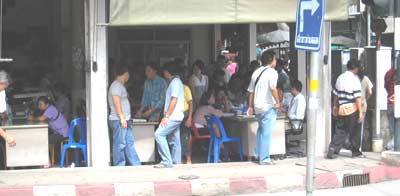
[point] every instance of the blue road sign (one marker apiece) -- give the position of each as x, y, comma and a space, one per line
309, 21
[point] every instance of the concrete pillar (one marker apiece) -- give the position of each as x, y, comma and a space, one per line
77, 79
200, 36
97, 83
252, 39
217, 40
324, 120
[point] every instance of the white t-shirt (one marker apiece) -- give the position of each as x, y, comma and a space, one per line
366, 86
263, 99
297, 109
175, 89
3, 103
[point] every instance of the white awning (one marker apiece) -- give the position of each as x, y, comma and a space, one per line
190, 12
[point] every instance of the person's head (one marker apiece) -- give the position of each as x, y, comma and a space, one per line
198, 67
219, 76
254, 65
354, 65
60, 90
43, 103
361, 72
170, 70
122, 74
4, 80
297, 87
151, 71
268, 58
221, 60
207, 98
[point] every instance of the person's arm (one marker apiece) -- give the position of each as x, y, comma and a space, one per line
275, 94
250, 110
369, 92
10, 140
207, 85
189, 120
360, 109
335, 105
191, 86
171, 108
41, 118
118, 110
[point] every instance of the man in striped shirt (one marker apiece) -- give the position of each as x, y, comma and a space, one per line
347, 106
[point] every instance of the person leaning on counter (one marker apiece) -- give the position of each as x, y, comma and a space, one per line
3, 107
153, 95
57, 122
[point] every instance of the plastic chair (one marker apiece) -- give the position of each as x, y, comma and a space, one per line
196, 136
81, 123
220, 137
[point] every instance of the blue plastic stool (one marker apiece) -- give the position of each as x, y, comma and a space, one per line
81, 145
215, 141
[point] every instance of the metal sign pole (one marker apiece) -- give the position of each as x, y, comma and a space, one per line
313, 104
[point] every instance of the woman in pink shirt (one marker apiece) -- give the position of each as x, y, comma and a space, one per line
206, 109
232, 66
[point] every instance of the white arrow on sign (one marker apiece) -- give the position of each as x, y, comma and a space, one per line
312, 5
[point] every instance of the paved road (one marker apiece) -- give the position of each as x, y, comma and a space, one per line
389, 188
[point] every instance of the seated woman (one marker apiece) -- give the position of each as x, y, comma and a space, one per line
206, 109
57, 122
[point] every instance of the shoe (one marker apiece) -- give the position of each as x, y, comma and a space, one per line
358, 155
268, 163
162, 166
332, 154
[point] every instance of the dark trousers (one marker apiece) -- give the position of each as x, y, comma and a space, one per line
347, 126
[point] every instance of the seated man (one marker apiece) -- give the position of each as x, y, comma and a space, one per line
297, 107
153, 95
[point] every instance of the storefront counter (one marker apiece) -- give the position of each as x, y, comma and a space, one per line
246, 127
143, 133
32, 147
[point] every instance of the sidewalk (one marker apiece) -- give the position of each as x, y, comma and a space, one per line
212, 179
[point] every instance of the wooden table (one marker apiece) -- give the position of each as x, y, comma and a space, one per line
32, 147
143, 133
246, 128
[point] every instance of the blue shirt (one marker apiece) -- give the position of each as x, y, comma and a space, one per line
154, 95
175, 89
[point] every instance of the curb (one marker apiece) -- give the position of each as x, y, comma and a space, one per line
220, 186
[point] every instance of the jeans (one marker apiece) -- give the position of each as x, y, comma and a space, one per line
169, 143
185, 136
123, 145
347, 126
394, 126
266, 124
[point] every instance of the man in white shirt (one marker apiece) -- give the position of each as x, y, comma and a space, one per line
347, 106
168, 132
297, 107
264, 102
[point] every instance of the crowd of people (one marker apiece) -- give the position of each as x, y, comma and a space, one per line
180, 97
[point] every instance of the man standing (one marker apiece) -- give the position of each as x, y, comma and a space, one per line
297, 107
153, 95
168, 133
394, 123
347, 106
120, 121
264, 101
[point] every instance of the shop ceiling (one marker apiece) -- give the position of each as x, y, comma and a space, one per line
192, 12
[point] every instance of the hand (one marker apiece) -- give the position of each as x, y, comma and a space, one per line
148, 113
361, 117
139, 114
250, 111
164, 122
391, 98
188, 123
277, 106
31, 118
334, 111
11, 141
124, 124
